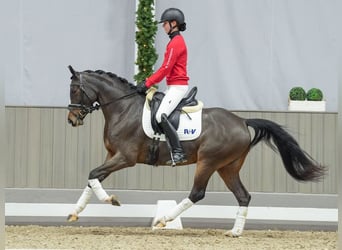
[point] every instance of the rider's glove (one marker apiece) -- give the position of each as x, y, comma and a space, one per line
141, 87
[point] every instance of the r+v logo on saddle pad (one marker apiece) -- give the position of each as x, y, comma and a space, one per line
188, 131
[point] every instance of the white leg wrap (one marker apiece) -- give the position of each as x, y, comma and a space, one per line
98, 190
180, 208
239, 221
83, 200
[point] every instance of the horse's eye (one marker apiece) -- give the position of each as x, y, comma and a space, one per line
73, 89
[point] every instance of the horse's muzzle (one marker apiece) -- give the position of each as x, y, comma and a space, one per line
74, 120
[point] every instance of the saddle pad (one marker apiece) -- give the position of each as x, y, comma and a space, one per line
189, 129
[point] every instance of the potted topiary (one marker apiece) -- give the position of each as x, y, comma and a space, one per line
297, 94
312, 100
314, 94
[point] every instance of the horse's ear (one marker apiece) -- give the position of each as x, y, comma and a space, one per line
73, 72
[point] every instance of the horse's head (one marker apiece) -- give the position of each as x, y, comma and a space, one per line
82, 98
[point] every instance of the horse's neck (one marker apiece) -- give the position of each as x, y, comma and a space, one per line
116, 109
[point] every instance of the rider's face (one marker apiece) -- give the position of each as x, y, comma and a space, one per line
167, 26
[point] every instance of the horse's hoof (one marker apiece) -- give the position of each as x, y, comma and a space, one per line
230, 233
72, 218
114, 201
160, 223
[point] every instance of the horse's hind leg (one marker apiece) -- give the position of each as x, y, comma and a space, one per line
231, 177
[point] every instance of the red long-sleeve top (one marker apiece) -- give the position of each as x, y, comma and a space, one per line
174, 64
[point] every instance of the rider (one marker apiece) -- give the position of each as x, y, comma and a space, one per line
174, 69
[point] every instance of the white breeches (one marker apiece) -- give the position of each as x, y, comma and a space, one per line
173, 96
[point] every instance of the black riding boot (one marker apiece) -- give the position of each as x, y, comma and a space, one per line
177, 152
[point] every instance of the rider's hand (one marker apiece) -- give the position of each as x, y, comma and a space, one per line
141, 87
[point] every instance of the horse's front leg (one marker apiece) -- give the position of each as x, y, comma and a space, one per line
81, 204
96, 176
197, 193
172, 214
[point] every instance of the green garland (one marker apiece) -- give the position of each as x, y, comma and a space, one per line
144, 37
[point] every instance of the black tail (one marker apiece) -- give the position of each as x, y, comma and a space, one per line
299, 164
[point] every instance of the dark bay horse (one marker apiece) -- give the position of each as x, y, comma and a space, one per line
223, 144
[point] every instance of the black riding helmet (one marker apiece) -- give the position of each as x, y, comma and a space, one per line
174, 14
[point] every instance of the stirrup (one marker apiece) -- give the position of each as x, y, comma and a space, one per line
177, 158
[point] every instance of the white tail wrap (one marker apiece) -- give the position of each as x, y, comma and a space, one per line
83, 200
240, 221
98, 190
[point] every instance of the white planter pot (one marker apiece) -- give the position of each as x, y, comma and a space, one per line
318, 106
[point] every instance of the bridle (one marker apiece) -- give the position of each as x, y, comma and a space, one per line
85, 109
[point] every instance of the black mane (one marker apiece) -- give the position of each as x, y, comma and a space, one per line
111, 76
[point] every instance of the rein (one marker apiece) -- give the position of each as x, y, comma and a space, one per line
118, 99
